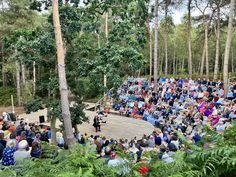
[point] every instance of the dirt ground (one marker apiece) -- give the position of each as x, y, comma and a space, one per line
18, 110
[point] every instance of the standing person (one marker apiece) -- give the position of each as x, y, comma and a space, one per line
96, 123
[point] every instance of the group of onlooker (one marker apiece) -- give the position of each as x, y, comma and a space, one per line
173, 106
20, 140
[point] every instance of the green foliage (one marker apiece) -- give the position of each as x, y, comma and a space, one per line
33, 106
27, 91
77, 114
54, 109
5, 98
215, 161
80, 161
49, 151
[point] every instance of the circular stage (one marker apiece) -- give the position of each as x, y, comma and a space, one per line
117, 127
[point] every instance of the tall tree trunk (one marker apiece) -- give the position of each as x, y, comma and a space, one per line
166, 54
190, 65
62, 77
18, 83
53, 130
106, 33
106, 26
180, 66
166, 39
3, 73
150, 54
227, 47
198, 67
216, 67
34, 79
222, 62
161, 63
232, 60
206, 49
174, 62
155, 40
98, 38
176, 65
150, 47
202, 61
23, 73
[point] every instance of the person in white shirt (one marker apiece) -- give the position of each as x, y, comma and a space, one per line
22, 152
113, 161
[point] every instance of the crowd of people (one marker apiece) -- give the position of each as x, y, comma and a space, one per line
20, 140
177, 105
179, 102
173, 106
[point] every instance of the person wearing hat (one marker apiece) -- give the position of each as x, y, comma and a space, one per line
22, 152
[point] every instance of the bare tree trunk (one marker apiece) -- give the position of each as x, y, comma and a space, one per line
216, 67
174, 62
106, 33
183, 66
34, 79
190, 65
202, 62
161, 64
150, 54
227, 47
176, 66
222, 62
53, 130
49, 91
166, 54
106, 26
3, 73
23, 73
98, 37
18, 83
232, 60
62, 77
206, 49
155, 41
199, 66
166, 39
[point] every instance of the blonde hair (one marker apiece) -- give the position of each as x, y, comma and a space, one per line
11, 143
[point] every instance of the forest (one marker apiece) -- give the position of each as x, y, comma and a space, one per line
112, 38
56, 51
